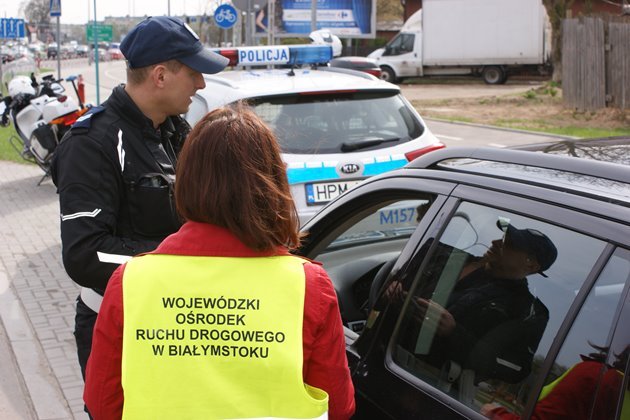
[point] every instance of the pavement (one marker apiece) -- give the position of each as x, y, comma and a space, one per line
39, 372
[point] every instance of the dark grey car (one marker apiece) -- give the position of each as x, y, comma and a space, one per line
428, 339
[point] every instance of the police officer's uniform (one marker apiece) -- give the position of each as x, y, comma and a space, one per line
114, 172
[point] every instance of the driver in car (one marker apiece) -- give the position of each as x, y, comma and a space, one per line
491, 323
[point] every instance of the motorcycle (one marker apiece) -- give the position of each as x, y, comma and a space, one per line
41, 115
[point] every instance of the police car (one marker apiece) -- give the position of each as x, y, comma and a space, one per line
335, 126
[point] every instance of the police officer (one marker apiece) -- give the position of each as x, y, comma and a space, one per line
114, 170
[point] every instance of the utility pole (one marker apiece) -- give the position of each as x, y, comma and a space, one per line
313, 15
98, 90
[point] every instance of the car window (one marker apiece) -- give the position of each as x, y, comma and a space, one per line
340, 122
401, 44
371, 239
483, 311
585, 376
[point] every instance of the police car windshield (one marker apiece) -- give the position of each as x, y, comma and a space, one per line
316, 123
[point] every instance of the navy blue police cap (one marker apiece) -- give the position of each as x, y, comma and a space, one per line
162, 38
533, 242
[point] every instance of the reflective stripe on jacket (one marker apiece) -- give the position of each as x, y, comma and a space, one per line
215, 337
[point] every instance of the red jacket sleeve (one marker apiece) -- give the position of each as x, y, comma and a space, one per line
573, 396
325, 361
103, 394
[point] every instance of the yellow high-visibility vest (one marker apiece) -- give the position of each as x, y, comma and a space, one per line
215, 338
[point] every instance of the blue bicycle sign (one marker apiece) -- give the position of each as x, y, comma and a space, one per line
225, 16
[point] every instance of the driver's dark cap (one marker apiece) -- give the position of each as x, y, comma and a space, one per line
162, 38
531, 241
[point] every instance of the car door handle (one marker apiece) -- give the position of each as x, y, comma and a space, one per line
362, 370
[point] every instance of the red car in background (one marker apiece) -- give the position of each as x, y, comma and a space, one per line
364, 64
113, 52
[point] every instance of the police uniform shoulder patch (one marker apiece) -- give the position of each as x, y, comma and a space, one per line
85, 120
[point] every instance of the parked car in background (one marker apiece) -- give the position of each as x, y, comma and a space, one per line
6, 54
336, 126
67, 51
363, 64
486, 282
114, 53
82, 50
51, 50
38, 49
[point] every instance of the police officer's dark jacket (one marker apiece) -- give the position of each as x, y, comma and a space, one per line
114, 174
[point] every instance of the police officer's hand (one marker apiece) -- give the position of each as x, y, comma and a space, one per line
5, 121
431, 313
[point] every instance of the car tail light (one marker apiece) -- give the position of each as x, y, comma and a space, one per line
374, 72
417, 153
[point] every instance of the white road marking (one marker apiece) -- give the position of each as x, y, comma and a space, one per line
442, 136
497, 145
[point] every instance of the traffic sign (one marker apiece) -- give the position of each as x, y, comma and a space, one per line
255, 4
11, 28
55, 8
225, 16
104, 32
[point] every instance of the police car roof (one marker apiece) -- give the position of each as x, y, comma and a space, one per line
230, 86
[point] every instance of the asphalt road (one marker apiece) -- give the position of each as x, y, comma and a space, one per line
452, 134
462, 134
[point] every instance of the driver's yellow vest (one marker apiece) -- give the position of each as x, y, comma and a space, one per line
215, 338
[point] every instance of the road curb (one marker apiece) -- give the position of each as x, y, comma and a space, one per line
40, 388
509, 130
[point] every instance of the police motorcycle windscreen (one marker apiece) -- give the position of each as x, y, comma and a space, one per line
57, 88
43, 141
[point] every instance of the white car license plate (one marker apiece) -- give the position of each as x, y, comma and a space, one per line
323, 192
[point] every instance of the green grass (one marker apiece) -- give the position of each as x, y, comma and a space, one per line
455, 118
571, 131
542, 126
6, 150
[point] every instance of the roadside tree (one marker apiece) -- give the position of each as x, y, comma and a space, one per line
37, 13
557, 11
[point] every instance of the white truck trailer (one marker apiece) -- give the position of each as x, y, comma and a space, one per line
487, 38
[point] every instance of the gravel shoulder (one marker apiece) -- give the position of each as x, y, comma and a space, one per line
528, 105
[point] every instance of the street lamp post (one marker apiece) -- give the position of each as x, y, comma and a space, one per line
98, 91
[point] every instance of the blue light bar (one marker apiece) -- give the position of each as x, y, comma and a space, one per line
278, 54
310, 54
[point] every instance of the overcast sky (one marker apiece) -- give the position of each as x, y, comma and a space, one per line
77, 11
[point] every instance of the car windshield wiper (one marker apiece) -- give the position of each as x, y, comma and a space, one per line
365, 143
